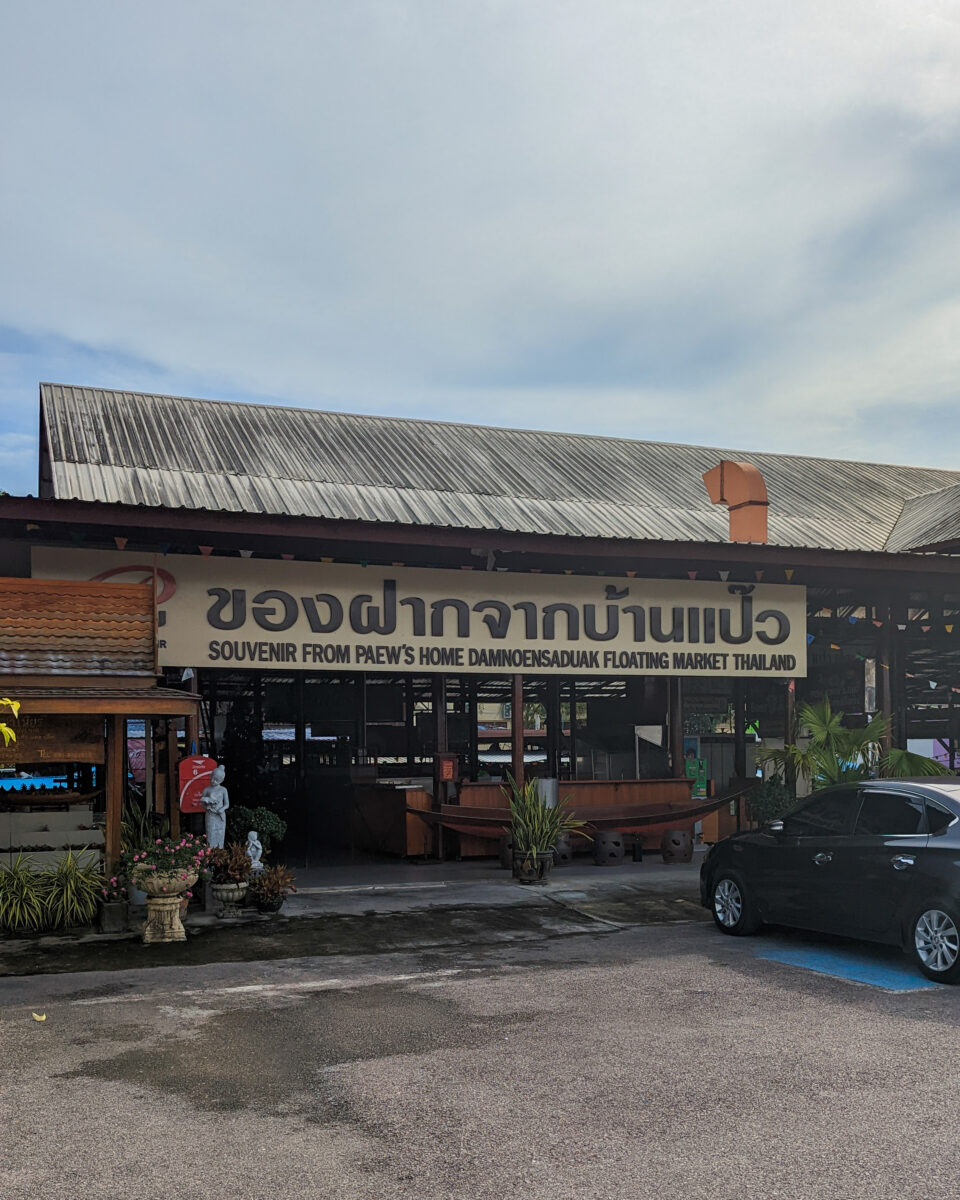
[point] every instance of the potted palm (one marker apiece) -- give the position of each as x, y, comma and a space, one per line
536, 827
166, 871
229, 869
270, 888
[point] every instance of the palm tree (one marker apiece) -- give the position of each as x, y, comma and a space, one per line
836, 754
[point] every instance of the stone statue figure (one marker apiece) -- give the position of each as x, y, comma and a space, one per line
254, 852
216, 801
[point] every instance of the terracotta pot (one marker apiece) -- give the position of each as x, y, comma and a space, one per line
228, 897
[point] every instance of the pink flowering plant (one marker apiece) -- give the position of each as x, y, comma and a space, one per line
183, 856
114, 889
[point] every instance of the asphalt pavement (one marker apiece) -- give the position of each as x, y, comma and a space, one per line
661, 1061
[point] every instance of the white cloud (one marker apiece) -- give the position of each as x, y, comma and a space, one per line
683, 220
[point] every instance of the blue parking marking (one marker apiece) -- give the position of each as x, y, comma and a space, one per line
857, 965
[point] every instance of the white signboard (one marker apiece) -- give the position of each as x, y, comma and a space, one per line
266, 615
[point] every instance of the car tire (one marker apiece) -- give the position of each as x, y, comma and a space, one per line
732, 905
934, 941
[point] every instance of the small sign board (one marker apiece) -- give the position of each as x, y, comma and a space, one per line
193, 775
55, 739
448, 768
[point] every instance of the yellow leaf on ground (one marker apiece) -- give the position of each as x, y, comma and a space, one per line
39, 1016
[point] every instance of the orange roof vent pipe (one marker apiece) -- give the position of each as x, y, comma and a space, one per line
741, 488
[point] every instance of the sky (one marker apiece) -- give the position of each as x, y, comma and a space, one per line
731, 223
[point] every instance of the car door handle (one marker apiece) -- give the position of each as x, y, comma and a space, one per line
821, 858
902, 861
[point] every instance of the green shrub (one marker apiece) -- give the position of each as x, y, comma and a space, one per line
73, 890
23, 897
268, 825
770, 800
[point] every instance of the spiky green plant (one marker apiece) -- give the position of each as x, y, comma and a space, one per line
23, 897
836, 754
73, 890
536, 827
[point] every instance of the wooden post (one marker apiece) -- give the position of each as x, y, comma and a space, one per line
739, 729
410, 722
115, 775
173, 781
885, 664
193, 721
516, 729
675, 704
573, 729
474, 723
554, 731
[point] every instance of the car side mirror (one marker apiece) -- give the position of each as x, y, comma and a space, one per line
776, 827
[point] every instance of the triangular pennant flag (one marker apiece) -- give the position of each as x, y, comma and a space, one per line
925, 628
326, 560
759, 575
206, 551
164, 547
859, 658
120, 542
631, 574
901, 628
568, 572
834, 646
810, 638
287, 557
879, 624
788, 571
933, 683
691, 574
724, 575
909, 676
32, 528
363, 563
852, 620
948, 628
398, 564
463, 568
536, 570
246, 554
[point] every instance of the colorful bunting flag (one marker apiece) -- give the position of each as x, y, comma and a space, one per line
287, 557
788, 571
120, 542
724, 575
246, 554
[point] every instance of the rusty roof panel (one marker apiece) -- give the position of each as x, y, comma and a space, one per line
133, 448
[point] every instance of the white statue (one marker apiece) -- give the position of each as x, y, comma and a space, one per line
216, 800
254, 852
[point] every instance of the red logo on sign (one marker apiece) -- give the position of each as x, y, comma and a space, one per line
193, 775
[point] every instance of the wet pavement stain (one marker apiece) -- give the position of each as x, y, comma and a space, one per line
296, 1050
298, 937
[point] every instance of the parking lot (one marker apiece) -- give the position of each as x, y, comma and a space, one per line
664, 1061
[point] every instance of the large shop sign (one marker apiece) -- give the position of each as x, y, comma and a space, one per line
243, 613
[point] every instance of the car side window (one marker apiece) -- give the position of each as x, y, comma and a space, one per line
826, 815
938, 819
887, 814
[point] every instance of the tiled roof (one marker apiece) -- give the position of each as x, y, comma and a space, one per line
51, 627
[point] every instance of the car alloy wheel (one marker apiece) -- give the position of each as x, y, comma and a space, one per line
937, 941
727, 903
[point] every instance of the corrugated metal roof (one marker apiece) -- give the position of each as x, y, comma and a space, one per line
929, 520
133, 448
52, 627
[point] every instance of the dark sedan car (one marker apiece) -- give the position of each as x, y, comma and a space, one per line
878, 860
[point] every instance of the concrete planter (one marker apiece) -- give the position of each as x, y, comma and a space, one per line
228, 897
164, 891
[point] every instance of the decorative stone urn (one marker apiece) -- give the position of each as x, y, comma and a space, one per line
164, 891
228, 897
